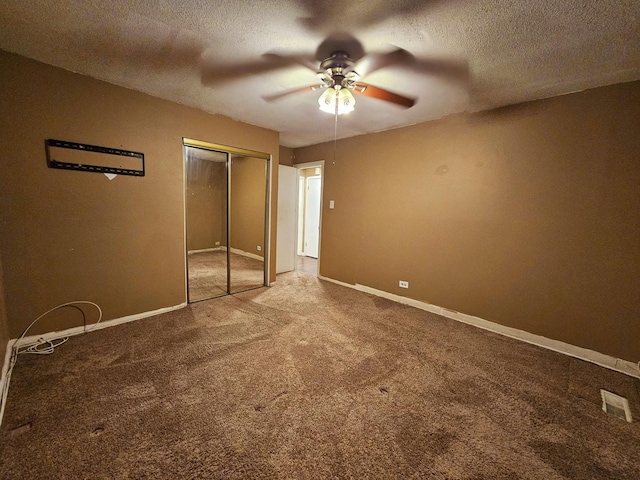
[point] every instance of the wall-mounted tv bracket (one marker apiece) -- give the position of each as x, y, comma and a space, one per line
116, 166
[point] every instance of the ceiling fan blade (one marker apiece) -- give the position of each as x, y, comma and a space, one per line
213, 73
385, 95
449, 68
375, 61
289, 60
337, 15
278, 96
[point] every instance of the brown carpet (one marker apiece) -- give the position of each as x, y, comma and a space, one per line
312, 380
208, 274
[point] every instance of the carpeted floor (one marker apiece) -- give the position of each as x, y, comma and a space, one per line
208, 274
311, 380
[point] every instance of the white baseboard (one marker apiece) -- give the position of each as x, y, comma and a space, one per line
204, 250
30, 340
247, 254
233, 250
5, 365
338, 282
5, 378
607, 361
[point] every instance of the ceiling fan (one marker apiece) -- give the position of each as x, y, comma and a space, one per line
342, 64
339, 80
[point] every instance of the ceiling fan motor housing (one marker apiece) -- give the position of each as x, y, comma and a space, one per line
333, 69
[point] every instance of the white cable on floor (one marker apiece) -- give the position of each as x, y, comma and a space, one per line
48, 350
41, 346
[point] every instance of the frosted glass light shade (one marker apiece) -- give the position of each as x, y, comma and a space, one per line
346, 101
327, 100
343, 98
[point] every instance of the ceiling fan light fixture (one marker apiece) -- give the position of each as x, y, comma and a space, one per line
327, 100
346, 101
343, 99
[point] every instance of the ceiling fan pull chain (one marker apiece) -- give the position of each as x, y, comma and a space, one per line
335, 135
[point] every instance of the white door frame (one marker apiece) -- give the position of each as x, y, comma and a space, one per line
299, 166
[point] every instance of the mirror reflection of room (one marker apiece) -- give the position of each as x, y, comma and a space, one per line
226, 217
247, 219
206, 199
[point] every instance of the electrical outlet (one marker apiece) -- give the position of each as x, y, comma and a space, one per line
404, 284
616, 405
259, 248
217, 244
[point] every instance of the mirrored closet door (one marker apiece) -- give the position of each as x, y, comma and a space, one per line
247, 211
206, 203
226, 191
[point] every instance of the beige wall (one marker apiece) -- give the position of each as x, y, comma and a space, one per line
248, 193
286, 156
78, 236
528, 216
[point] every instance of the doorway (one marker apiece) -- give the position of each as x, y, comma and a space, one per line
310, 181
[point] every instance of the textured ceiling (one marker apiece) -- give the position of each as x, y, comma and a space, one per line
517, 51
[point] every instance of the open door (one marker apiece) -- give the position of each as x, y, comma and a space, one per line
286, 233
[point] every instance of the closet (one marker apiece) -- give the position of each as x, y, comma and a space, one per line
227, 206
